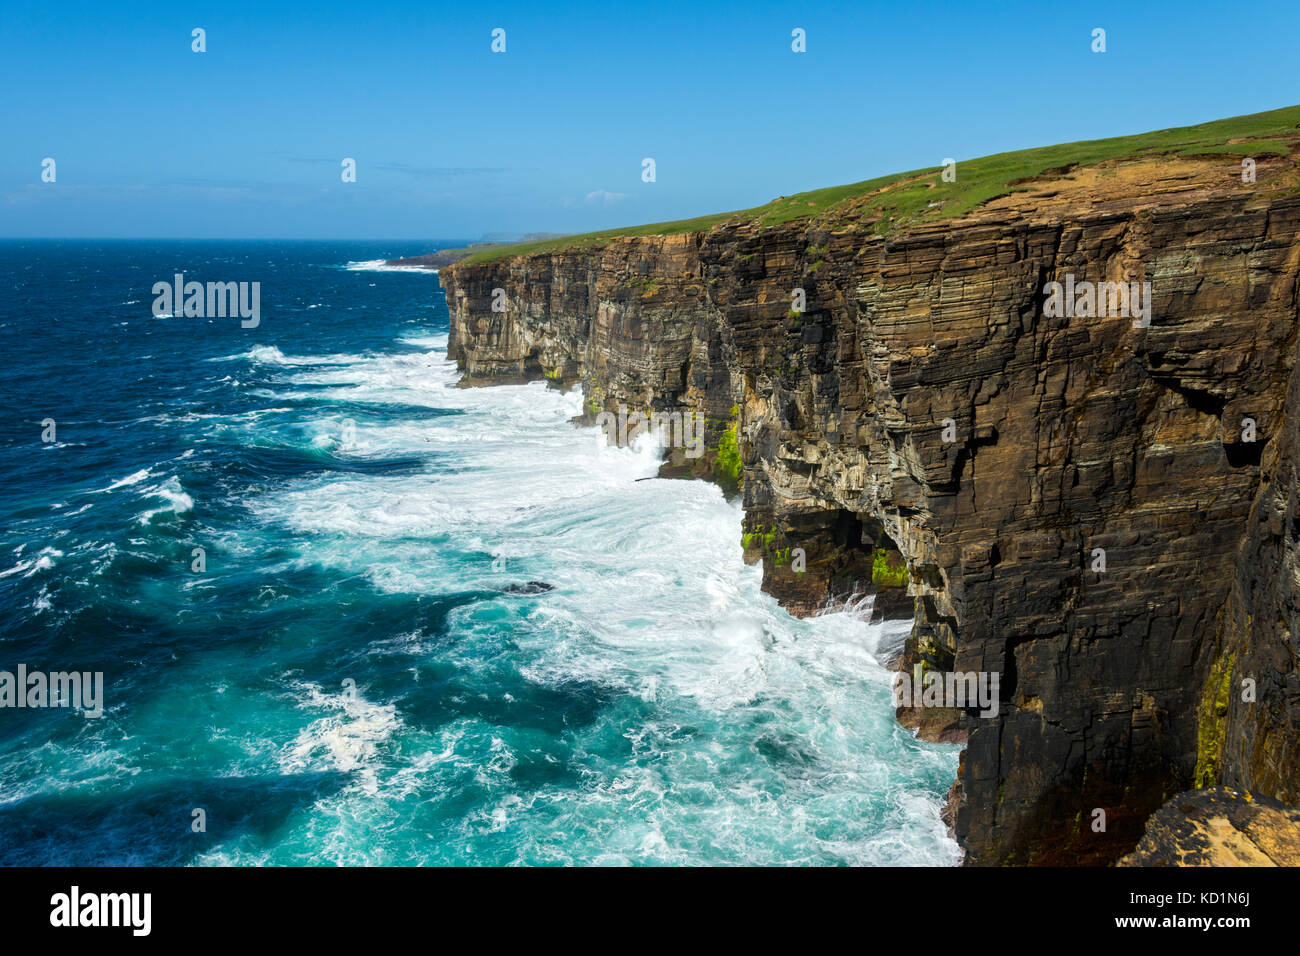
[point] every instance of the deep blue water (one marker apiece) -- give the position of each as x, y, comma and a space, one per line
348, 679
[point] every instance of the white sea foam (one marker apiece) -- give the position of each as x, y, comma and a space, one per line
346, 739
43, 561
425, 341
132, 479
271, 355
42, 602
178, 502
381, 265
794, 755
18, 568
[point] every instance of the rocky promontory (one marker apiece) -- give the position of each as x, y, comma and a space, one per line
1102, 511
436, 260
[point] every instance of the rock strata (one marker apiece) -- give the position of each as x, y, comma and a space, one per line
1071, 502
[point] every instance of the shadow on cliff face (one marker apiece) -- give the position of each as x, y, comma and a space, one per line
1092, 821
1245, 454
1243, 440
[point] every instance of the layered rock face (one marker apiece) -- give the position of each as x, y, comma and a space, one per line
1072, 503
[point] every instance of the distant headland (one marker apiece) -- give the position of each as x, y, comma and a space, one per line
445, 257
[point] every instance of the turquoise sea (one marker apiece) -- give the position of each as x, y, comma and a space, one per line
358, 671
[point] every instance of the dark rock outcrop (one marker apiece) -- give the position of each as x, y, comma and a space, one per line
1068, 502
528, 587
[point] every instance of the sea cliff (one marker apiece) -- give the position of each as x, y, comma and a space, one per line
1102, 512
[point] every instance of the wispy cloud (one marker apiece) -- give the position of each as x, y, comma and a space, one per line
597, 197
419, 172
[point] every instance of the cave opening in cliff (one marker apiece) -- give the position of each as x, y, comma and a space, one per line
875, 563
1245, 453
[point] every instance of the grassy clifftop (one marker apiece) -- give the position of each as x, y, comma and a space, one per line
908, 197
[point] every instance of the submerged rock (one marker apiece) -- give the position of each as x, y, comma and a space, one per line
530, 587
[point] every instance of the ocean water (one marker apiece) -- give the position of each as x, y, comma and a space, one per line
351, 678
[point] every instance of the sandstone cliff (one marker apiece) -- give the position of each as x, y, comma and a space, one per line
1070, 436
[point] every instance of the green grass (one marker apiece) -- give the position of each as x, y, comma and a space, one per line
904, 198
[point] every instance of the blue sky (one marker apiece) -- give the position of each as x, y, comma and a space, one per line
451, 140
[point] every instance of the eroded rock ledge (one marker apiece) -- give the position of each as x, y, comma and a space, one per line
1072, 434
1219, 827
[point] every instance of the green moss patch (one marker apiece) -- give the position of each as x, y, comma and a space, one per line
888, 570
1211, 722
726, 468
